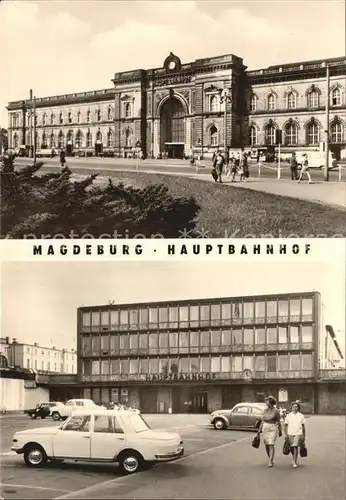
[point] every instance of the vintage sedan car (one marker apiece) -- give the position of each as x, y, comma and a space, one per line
42, 410
99, 436
64, 411
242, 415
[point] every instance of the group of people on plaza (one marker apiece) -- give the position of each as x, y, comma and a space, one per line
304, 169
293, 430
235, 164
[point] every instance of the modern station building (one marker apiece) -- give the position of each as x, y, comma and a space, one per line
198, 107
200, 355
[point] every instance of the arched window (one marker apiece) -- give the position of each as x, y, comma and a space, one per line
128, 110
253, 135
61, 140
70, 137
271, 102
128, 138
214, 139
78, 116
78, 141
69, 117
52, 141
109, 139
3, 361
253, 103
44, 119
109, 113
88, 116
89, 140
313, 99
336, 97
44, 141
336, 132
15, 141
15, 120
213, 104
61, 118
270, 135
98, 115
52, 119
291, 134
291, 101
313, 134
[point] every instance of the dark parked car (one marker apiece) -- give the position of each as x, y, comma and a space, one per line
41, 410
242, 415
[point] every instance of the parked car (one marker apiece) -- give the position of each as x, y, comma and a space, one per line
99, 435
42, 410
66, 410
242, 415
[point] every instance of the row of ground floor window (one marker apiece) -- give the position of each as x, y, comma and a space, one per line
204, 398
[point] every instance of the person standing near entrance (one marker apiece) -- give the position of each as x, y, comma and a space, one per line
294, 167
62, 157
294, 431
270, 428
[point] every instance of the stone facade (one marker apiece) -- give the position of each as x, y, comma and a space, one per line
177, 109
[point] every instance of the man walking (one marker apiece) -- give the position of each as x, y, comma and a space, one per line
294, 167
62, 157
218, 164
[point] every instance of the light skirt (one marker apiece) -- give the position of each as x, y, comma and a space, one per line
269, 433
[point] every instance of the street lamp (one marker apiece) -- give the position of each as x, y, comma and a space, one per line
226, 98
32, 116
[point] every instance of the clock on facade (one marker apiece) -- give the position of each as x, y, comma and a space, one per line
172, 63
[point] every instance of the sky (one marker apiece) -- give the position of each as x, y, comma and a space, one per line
40, 300
58, 47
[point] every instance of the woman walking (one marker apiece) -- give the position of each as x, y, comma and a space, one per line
294, 431
305, 169
270, 428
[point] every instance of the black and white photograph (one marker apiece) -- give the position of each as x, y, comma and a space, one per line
207, 118
210, 379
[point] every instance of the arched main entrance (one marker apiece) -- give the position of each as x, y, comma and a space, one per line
172, 128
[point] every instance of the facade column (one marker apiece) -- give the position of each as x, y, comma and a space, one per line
187, 136
156, 145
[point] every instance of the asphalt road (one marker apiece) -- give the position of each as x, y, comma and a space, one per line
107, 166
218, 464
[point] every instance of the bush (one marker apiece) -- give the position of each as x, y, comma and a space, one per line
52, 203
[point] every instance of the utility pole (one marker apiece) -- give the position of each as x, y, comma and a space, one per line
30, 124
225, 97
34, 118
326, 169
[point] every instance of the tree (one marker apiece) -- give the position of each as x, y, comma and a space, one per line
3, 139
35, 204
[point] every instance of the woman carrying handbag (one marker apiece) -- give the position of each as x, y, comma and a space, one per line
270, 428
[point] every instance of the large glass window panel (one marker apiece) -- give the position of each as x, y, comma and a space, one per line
237, 337
124, 366
215, 311
153, 365
283, 363
307, 362
115, 318
173, 315
143, 341
194, 313
184, 366
153, 315
183, 314
215, 364
124, 318
294, 362
86, 346
95, 318
272, 336
226, 311
272, 309
260, 310
143, 365
173, 365
194, 339
105, 318
237, 364
96, 344
283, 308
248, 310
307, 334
105, 367
114, 344
226, 337
205, 364
133, 317
144, 316
294, 334
248, 363
283, 335
215, 338
163, 340
183, 339
87, 367
271, 363
115, 367
163, 366
95, 367
260, 336
307, 307
205, 313
237, 310
173, 340
248, 336
163, 316
134, 341
205, 338
260, 364
225, 364
153, 341
105, 343
294, 307
86, 319
124, 342
194, 365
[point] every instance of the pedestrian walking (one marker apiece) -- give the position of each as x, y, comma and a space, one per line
294, 167
218, 164
305, 169
294, 431
270, 428
244, 168
62, 157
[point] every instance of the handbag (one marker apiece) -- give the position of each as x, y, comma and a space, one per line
214, 174
286, 449
303, 451
256, 441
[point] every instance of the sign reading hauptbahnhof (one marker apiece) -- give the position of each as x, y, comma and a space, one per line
179, 377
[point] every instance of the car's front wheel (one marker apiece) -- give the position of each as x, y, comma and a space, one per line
130, 462
56, 416
35, 456
33, 416
219, 424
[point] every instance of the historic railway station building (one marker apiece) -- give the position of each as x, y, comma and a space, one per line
179, 109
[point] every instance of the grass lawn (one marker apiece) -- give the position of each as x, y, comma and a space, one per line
228, 211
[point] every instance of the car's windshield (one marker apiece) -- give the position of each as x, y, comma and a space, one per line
138, 423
